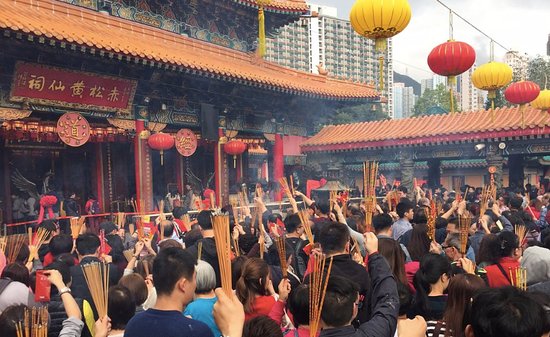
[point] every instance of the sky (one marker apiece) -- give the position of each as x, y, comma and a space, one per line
521, 25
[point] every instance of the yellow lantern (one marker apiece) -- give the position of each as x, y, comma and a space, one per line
491, 77
380, 20
542, 101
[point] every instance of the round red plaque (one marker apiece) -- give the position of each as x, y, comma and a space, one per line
492, 169
186, 142
73, 129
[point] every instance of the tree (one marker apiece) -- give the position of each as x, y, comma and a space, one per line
537, 71
358, 113
500, 101
436, 101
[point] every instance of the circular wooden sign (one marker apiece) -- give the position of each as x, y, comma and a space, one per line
492, 169
186, 142
73, 129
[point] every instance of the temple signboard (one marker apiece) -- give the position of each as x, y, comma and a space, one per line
45, 85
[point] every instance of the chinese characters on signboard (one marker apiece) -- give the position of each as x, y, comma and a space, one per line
186, 142
73, 129
46, 85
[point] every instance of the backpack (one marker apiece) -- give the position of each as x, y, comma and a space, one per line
299, 258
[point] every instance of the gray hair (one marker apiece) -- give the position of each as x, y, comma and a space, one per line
206, 277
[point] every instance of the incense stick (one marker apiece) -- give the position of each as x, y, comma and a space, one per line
518, 277
521, 232
281, 250
464, 223
34, 324
304, 218
13, 246
220, 224
284, 185
317, 290
97, 279
370, 173
199, 250
76, 226
432, 215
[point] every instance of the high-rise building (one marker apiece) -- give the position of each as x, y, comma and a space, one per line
403, 100
468, 94
519, 63
321, 40
548, 46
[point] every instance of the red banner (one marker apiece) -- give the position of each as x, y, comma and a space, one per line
47, 85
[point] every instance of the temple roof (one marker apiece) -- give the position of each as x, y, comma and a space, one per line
124, 39
430, 130
287, 5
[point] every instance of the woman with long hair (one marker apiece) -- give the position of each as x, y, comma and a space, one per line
460, 292
503, 254
254, 288
431, 281
392, 252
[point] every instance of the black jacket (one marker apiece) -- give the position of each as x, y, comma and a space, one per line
385, 304
71, 207
79, 288
56, 311
208, 254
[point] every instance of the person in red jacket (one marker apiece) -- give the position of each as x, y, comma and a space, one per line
504, 255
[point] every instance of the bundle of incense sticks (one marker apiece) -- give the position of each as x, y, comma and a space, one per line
304, 218
464, 223
292, 185
317, 290
521, 232
281, 249
259, 191
128, 254
244, 192
212, 200
13, 246
518, 277
284, 185
35, 323
42, 235
186, 222
432, 215
333, 197
76, 226
97, 279
3, 243
392, 198
486, 195
220, 224
199, 250
370, 173
162, 216
236, 247
120, 219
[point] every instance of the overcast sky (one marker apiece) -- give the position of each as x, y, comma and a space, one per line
522, 25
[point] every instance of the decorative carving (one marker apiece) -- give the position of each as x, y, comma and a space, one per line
7, 114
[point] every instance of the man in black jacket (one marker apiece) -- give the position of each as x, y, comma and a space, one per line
342, 300
208, 251
334, 239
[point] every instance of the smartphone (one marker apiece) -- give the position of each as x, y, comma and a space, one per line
43, 287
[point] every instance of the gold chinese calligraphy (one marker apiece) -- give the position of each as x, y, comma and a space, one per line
73, 129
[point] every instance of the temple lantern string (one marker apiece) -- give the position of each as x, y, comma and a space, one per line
261, 27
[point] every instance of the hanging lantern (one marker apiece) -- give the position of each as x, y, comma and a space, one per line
521, 93
491, 77
161, 141
234, 148
451, 59
542, 101
380, 20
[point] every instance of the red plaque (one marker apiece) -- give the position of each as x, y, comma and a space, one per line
73, 129
186, 142
492, 169
41, 84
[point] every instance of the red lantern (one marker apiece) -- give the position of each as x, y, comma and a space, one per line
521, 93
234, 148
161, 141
451, 59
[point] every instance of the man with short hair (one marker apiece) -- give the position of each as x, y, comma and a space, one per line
174, 277
334, 239
343, 298
208, 252
506, 312
405, 211
382, 224
295, 230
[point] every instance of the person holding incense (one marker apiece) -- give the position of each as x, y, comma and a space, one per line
342, 300
174, 275
255, 289
334, 239
503, 254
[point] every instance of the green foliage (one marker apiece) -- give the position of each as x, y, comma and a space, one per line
358, 113
537, 71
437, 101
500, 101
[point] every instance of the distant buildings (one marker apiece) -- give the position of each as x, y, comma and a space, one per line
548, 46
320, 40
403, 100
519, 63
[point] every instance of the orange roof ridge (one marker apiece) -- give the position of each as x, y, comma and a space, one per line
428, 129
64, 22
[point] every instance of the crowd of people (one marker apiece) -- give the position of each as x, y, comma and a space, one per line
401, 272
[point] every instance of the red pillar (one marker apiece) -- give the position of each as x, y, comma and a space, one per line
180, 172
278, 162
239, 168
143, 172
